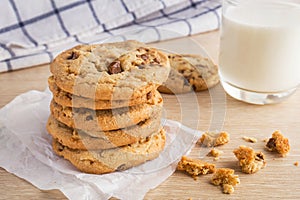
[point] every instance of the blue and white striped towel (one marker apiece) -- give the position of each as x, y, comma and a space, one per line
32, 32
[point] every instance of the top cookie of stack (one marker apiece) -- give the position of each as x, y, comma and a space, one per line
105, 96
111, 71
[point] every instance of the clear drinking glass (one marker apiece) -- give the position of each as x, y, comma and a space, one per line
259, 55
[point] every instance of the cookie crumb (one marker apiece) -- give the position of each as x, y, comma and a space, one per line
296, 163
225, 178
249, 160
278, 143
213, 139
195, 167
215, 153
228, 189
250, 139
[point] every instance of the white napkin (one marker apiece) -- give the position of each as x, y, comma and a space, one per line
25, 150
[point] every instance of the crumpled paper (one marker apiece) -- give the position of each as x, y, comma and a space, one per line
25, 150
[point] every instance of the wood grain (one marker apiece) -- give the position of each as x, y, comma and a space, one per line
208, 110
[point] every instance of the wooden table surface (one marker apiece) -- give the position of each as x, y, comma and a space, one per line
215, 110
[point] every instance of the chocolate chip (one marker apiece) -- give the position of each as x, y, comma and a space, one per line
89, 118
144, 56
60, 148
73, 56
260, 156
194, 87
114, 67
121, 167
141, 123
141, 66
149, 95
156, 60
271, 143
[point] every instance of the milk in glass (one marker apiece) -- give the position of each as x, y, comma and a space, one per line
260, 46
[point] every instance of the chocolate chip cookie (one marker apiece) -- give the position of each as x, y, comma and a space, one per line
70, 100
116, 159
78, 139
110, 71
190, 73
106, 120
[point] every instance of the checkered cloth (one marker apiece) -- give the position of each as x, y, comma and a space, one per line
32, 32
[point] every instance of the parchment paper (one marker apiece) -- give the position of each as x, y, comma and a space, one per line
25, 150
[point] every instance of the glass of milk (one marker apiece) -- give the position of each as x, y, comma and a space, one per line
259, 56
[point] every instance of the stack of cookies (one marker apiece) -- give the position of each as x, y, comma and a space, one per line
106, 110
